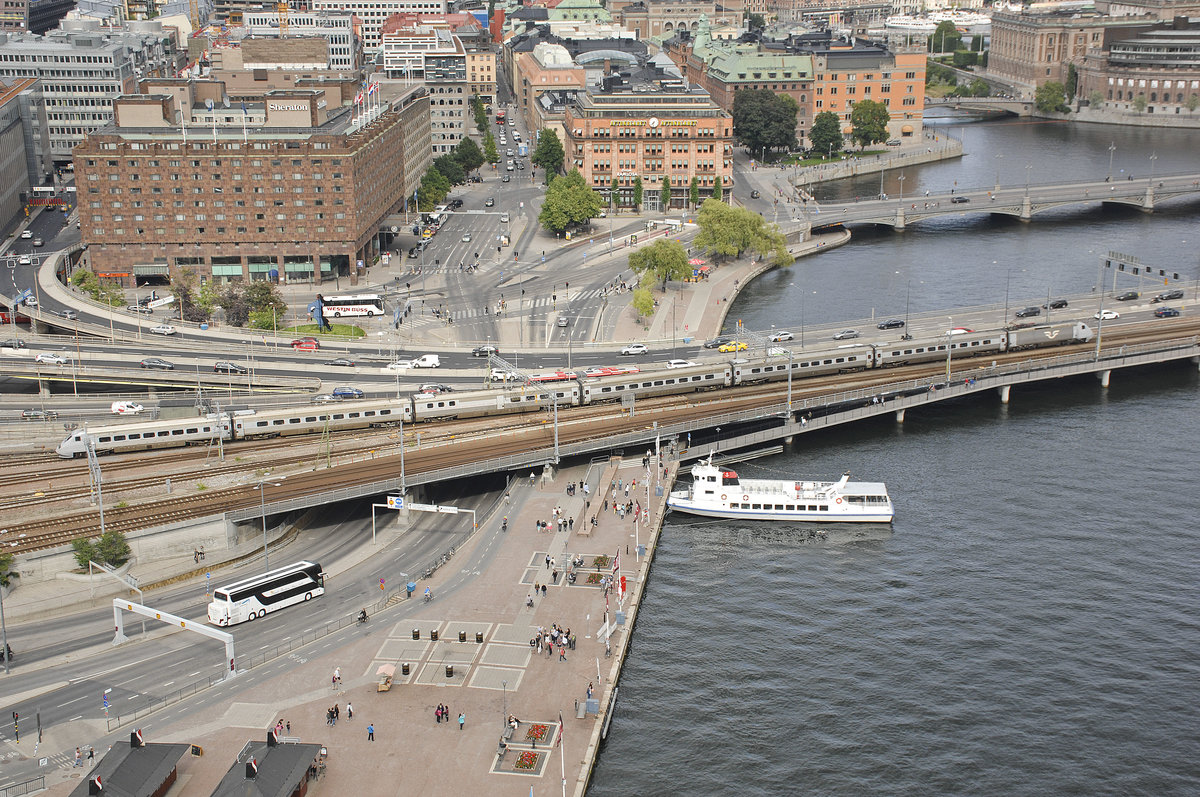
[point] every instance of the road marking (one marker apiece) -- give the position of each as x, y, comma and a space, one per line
118, 667
75, 718
69, 702
194, 674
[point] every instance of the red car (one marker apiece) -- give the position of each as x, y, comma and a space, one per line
306, 344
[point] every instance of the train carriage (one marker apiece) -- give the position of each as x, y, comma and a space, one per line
646, 384
313, 420
144, 435
1060, 334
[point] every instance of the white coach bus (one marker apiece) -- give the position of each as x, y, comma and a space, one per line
253, 597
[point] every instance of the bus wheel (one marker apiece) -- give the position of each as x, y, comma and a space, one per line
252, 616
308, 596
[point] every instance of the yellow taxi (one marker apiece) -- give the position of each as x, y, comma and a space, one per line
736, 345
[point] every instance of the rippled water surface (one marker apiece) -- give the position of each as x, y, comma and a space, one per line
1029, 623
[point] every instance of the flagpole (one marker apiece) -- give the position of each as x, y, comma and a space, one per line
562, 759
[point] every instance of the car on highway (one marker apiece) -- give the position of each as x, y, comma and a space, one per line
38, 242
226, 367
1028, 312
126, 408
486, 350
24, 260
611, 370
895, 142
455, 204
466, 237
306, 344
325, 398
1106, 315
1128, 296
157, 363
27, 234
435, 388
717, 342
563, 321
735, 345
680, 363
426, 361
340, 362
346, 392
12, 343
505, 179
846, 334
1167, 296
39, 415
1166, 312
138, 308
959, 200
490, 202
50, 358
509, 167
891, 323
163, 329
635, 348
31, 301
500, 375
509, 152
959, 331
520, 166
1055, 304
504, 218
779, 337
70, 315
755, 194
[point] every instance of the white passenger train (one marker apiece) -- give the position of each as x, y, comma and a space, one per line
576, 389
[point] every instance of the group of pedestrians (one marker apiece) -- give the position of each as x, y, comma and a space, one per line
555, 637
442, 713
334, 713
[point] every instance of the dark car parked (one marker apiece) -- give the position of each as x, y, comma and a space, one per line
717, 342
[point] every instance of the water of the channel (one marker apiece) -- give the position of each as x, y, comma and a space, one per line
1030, 624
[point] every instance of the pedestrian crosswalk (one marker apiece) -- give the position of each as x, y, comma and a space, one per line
528, 306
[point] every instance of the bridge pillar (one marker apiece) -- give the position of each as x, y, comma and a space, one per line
787, 441
1104, 377
43, 388
1026, 211
1004, 390
898, 225
899, 416
1148, 200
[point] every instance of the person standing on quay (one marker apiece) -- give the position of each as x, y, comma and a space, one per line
462, 720
370, 732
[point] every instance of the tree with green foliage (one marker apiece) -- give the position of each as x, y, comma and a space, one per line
490, 153
977, 42
964, 58
664, 193
718, 189
637, 192
945, 38
826, 133
1095, 99
110, 548
643, 302
1072, 81
434, 188
730, 232
1139, 103
265, 307
7, 574
756, 22
869, 123
105, 293
1193, 101
936, 73
233, 303
451, 169
1050, 97
764, 121
568, 201
468, 155
480, 114
208, 297
694, 192
613, 192
663, 260
183, 287
549, 153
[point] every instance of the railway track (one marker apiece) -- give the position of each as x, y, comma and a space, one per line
460, 442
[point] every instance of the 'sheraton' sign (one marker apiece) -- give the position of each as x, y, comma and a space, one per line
275, 106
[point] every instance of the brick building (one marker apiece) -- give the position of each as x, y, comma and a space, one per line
291, 181
650, 124
1159, 64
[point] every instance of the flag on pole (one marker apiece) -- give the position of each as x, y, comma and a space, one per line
560, 730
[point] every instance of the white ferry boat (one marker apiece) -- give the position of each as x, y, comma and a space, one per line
717, 492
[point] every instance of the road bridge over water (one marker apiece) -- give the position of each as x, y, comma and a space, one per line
1002, 104
1020, 201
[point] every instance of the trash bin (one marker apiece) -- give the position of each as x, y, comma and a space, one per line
416, 633
479, 637
404, 669
449, 670
462, 636
433, 635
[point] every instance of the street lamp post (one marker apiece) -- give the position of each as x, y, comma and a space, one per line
998, 158
949, 348
1028, 166
1153, 158
881, 172
262, 498
901, 178
1112, 147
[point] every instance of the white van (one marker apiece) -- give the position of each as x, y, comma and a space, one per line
427, 361
127, 408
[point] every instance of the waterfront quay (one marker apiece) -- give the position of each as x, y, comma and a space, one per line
468, 649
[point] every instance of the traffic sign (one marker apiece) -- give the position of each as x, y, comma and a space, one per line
395, 502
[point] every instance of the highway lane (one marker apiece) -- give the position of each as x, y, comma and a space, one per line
153, 668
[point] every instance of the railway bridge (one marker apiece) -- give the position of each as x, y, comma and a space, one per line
721, 420
1020, 201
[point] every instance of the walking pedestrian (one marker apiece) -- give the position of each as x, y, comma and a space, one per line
562, 652
571, 524
462, 720
91, 755
78, 758
437, 713
543, 590
554, 576
370, 732
548, 560
289, 727
337, 675
349, 710
589, 691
